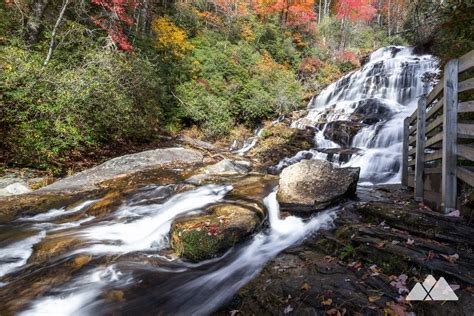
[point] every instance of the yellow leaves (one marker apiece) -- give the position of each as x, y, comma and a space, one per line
247, 33
327, 302
170, 38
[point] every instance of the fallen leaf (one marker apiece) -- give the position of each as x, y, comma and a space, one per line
470, 289
395, 242
234, 312
451, 258
306, 286
375, 270
400, 283
373, 298
381, 244
327, 302
410, 241
355, 265
288, 309
395, 310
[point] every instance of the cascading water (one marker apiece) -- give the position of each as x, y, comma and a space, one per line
121, 261
362, 114
122, 244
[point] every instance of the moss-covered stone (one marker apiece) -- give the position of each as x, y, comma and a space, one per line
201, 237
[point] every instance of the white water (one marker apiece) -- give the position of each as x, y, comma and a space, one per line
393, 78
148, 232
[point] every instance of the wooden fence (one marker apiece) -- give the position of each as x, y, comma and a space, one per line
437, 149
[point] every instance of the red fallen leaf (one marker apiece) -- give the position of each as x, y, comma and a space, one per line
470, 289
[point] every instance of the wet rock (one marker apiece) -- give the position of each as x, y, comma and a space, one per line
226, 167
33, 203
279, 141
314, 184
254, 187
342, 132
371, 111
201, 237
90, 179
109, 203
80, 261
53, 246
339, 155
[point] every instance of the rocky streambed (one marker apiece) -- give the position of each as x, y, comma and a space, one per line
144, 232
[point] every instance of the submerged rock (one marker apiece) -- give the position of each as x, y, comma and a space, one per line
203, 236
314, 184
90, 179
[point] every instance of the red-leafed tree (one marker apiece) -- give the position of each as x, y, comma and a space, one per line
291, 12
355, 10
115, 17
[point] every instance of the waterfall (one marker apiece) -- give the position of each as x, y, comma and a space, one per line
372, 101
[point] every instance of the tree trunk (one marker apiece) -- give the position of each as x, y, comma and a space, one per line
55, 30
33, 26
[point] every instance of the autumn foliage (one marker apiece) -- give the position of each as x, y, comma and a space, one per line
292, 13
170, 38
117, 16
355, 10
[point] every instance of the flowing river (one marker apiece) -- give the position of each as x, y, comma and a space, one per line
121, 262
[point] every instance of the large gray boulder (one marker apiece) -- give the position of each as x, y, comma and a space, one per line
311, 185
126, 165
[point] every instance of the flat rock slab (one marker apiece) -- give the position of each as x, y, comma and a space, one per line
89, 179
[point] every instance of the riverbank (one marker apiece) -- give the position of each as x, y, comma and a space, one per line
382, 243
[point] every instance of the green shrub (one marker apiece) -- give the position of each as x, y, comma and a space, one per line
234, 84
49, 111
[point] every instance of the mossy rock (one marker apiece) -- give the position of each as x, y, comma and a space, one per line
203, 236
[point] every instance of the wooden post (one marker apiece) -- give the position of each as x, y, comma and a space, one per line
450, 118
420, 148
406, 126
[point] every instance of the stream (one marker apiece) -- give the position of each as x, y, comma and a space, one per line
121, 262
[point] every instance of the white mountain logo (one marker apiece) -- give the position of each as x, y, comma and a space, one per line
432, 290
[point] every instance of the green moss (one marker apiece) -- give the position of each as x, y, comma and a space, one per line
197, 244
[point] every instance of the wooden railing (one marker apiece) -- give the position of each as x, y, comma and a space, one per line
437, 149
